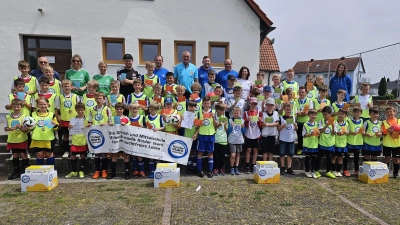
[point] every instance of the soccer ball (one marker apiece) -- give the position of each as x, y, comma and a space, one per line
29, 121
174, 119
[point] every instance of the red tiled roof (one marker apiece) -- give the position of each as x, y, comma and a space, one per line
321, 66
257, 10
268, 61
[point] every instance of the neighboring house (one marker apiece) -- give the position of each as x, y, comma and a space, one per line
268, 62
58, 29
390, 86
327, 68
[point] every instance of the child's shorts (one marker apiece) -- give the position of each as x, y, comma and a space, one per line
370, 152
268, 144
79, 149
252, 143
194, 145
286, 148
339, 151
392, 152
18, 150
235, 148
205, 143
310, 151
42, 149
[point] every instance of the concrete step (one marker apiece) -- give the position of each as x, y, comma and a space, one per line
63, 165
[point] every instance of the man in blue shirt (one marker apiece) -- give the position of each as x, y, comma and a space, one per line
185, 73
159, 70
203, 73
222, 76
42, 63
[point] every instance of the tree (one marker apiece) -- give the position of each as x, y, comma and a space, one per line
388, 80
394, 93
382, 87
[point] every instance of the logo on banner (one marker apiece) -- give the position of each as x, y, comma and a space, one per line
158, 175
178, 149
95, 139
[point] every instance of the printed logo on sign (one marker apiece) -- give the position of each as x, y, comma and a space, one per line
178, 149
95, 139
90, 103
26, 88
372, 173
327, 130
158, 175
25, 179
262, 173
206, 122
50, 177
375, 129
68, 103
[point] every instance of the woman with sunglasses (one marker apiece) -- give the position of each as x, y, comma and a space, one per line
78, 76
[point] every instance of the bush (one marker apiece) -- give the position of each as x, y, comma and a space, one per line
382, 87
394, 92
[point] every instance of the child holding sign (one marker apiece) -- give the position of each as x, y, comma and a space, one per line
310, 135
157, 88
119, 119
136, 120
342, 129
354, 140
44, 84
278, 89
326, 140
235, 139
154, 122
311, 90
149, 79
169, 89
211, 84
195, 96
114, 97
339, 104
139, 97
20, 94
88, 98
43, 133
168, 115
79, 144
288, 98
206, 137
320, 102
372, 136
363, 100
252, 119
221, 139
302, 105
269, 126
100, 115
391, 140
17, 138
192, 133
180, 100
236, 101
259, 83
287, 128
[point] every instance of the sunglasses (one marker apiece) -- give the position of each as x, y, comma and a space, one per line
42, 62
76, 61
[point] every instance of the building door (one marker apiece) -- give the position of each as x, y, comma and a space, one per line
57, 49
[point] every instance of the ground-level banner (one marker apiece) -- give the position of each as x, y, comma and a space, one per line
139, 142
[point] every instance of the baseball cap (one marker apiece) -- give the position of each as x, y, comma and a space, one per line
267, 88
231, 77
127, 56
270, 101
253, 100
168, 100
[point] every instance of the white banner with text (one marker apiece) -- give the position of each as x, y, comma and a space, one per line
138, 142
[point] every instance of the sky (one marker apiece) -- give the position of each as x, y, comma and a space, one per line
315, 29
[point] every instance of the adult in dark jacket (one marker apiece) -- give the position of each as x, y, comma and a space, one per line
340, 81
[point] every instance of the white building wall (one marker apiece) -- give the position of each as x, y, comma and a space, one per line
89, 20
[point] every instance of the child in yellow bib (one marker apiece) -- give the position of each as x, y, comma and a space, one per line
391, 140
20, 94
114, 97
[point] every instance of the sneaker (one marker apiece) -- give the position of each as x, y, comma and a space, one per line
356, 172
13, 176
215, 172
299, 152
210, 174
200, 173
127, 175
221, 172
290, 171
330, 175
96, 174
338, 174
141, 174
252, 170
136, 173
72, 174
232, 171
247, 170
104, 174
308, 174
111, 175
282, 170
89, 155
78, 155
346, 173
81, 174
314, 175
237, 171
151, 175
334, 173
65, 155
396, 176
317, 174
